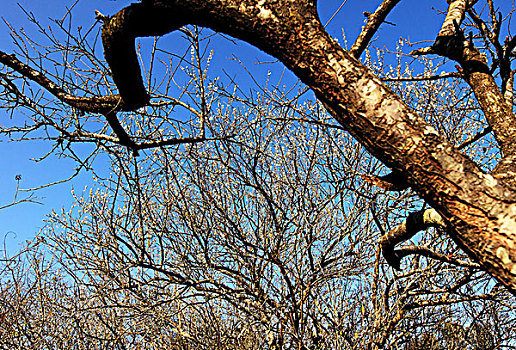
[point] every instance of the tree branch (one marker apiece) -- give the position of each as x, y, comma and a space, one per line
106, 105
415, 222
475, 138
427, 78
451, 43
373, 23
102, 104
480, 209
427, 252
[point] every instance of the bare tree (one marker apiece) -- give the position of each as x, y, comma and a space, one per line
476, 205
248, 220
261, 240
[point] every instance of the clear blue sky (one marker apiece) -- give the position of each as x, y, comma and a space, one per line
414, 20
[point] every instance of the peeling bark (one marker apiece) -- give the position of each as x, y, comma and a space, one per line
509, 90
479, 209
394, 181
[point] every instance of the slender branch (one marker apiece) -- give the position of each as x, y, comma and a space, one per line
484, 30
475, 138
427, 252
373, 23
177, 141
11, 87
98, 104
445, 301
28, 199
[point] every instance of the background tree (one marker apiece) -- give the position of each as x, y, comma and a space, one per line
248, 222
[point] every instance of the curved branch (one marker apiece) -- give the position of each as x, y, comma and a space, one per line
415, 222
118, 129
118, 35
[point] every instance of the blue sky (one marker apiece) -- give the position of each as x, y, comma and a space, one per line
414, 19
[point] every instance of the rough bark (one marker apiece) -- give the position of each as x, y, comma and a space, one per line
452, 43
479, 208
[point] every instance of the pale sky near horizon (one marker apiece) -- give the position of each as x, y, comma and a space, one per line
414, 19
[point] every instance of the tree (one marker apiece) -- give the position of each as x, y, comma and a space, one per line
260, 227
261, 240
477, 206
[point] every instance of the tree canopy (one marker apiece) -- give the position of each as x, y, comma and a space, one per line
267, 218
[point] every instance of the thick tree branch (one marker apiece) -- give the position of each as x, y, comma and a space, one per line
503, 52
455, 14
479, 209
451, 43
118, 34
